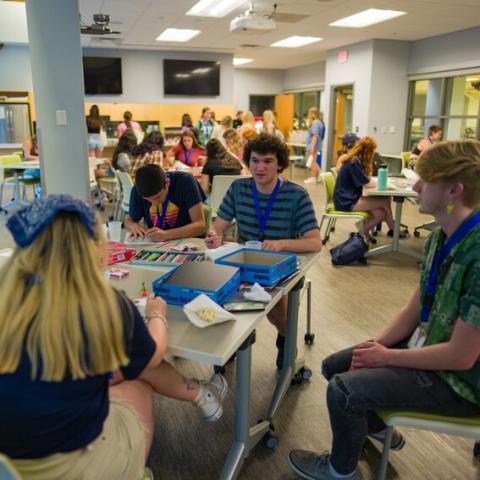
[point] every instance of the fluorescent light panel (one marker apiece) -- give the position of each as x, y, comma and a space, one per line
177, 35
296, 41
367, 17
214, 8
242, 61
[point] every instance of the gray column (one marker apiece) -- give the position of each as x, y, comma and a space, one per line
57, 72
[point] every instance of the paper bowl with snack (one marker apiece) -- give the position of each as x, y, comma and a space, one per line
204, 312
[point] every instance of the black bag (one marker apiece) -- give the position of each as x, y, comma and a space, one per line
351, 250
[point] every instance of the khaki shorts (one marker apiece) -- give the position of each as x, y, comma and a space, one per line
118, 453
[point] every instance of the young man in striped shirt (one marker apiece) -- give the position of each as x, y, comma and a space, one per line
271, 209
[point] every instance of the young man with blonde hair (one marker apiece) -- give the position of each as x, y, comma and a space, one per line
427, 358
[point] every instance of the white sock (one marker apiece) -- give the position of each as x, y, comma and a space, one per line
335, 474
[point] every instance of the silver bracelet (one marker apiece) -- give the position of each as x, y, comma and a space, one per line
153, 315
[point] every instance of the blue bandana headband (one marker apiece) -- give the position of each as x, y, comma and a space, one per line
30, 221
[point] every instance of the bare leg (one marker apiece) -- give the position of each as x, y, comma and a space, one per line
278, 315
140, 396
369, 204
315, 169
378, 215
167, 381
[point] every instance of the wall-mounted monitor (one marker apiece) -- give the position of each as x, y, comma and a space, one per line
191, 77
102, 75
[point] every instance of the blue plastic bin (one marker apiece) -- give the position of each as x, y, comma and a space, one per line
226, 278
261, 266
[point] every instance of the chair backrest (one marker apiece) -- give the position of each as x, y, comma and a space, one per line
220, 185
126, 185
328, 183
92, 166
406, 157
334, 172
11, 159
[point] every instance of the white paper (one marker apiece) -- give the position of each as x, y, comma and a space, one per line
202, 301
257, 294
309, 161
215, 253
133, 240
179, 166
409, 174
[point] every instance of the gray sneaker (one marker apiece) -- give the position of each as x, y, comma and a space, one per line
209, 398
398, 442
313, 466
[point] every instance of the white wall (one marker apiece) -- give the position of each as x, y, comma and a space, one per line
389, 94
15, 71
247, 81
357, 70
142, 76
451, 51
304, 77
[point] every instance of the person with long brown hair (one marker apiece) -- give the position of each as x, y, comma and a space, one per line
353, 176
188, 150
94, 129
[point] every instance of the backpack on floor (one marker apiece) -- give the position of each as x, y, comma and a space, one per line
352, 250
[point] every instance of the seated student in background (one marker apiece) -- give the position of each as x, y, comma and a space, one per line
220, 128
187, 124
435, 133
122, 155
187, 151
427, 359
289, 224
63, 330
219, 162
170, 204
149, 151
353, 176
349, 140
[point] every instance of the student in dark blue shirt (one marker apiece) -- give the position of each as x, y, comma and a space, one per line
170, 204
353, 176
63, 330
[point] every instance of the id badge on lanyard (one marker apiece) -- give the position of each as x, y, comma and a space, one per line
419, 336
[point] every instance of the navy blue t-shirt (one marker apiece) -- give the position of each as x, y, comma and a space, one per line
185, 193
39, 418
349, 185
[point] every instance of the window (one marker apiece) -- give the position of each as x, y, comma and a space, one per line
453, 103
303, 101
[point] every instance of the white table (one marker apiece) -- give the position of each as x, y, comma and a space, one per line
402, 189
216, 345
17, 168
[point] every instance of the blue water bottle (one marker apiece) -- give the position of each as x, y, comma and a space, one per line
382, 177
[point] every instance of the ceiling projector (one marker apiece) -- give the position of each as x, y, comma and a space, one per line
251, 21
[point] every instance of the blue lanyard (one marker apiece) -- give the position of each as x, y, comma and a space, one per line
439, 258
161, 218
206, 126
187, 154
262, 219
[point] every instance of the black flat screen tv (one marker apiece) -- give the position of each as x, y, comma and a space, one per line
102, 75
191, 77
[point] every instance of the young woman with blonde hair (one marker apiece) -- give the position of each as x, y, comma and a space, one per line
63, 330
316, 133
353, 176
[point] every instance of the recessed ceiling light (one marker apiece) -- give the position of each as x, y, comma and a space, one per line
177, 35
367, 17
214, 8
242, 61
296, 41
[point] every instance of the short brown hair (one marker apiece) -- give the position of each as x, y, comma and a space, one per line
435, 129
265, 143
454, 161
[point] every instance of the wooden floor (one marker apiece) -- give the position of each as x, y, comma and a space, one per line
350, 304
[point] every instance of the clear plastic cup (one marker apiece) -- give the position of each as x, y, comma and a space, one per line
253, 244
105, 230
115, 231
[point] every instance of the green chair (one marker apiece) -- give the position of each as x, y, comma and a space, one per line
329, 211
405, 158
460, 426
